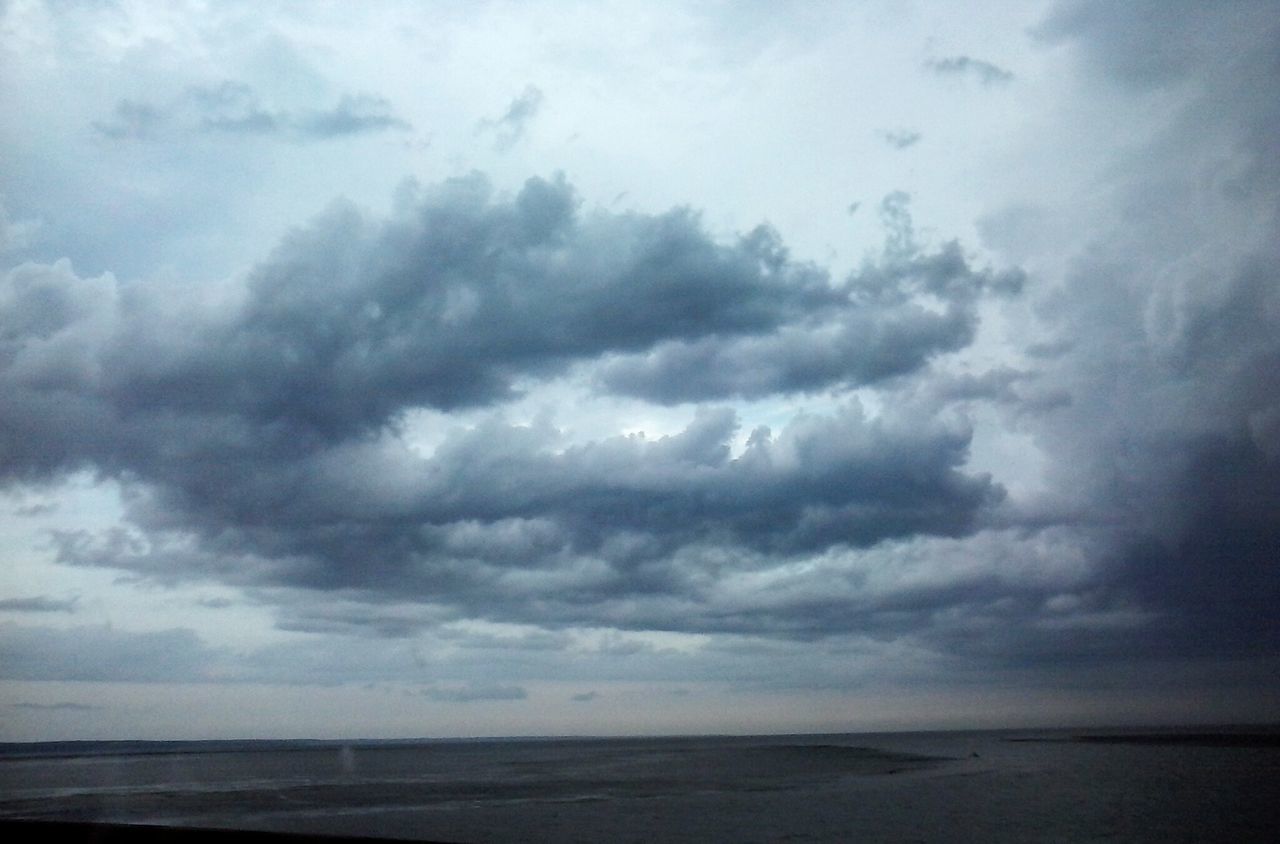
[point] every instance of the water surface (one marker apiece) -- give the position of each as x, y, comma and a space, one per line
992, 786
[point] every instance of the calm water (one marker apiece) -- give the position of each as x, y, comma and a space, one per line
877, 787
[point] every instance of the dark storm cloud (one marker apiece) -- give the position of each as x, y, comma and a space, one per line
265, 429
1217, 570
508, 129
1167, 336
985, 72
903, 312
1152, 43
39, 603
350, 322
899, 313
234, 108
622, 531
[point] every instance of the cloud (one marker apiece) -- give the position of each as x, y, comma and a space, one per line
1164, 336
102, 654
36, 509
234, 108
901, 313
352, 115
258, 435
388, 619
985, 72
584, 697
1141, 45
351, 322
37, 604
16, 235
348, 432
508, 129
499, 524
132, 120
65, 706
473, 693
901, 138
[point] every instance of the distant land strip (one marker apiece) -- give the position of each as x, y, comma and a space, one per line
1271, 739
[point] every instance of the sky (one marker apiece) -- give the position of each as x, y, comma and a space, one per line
571, 368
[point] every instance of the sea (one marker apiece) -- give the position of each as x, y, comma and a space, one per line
1055, 785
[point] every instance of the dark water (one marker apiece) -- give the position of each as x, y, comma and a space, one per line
986, 786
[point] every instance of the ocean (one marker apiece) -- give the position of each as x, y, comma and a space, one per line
1093, 785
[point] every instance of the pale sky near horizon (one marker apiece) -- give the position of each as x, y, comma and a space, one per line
438, 369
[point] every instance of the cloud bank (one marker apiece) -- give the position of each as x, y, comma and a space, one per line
261, 434
1055, 458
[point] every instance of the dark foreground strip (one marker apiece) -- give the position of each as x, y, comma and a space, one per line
114, 833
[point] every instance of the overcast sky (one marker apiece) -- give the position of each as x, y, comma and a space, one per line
427, 369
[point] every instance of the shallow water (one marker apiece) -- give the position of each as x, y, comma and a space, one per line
875, 787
